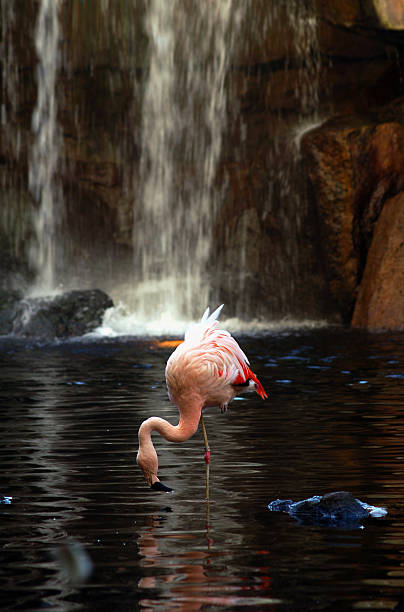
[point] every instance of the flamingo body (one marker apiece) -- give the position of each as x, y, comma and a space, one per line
207, 369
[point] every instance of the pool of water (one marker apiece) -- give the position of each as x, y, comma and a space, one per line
69, 419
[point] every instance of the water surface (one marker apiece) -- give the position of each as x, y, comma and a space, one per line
69, 419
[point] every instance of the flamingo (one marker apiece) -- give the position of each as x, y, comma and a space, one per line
207, 369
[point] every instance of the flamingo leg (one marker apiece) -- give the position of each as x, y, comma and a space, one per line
207, 455
205, 439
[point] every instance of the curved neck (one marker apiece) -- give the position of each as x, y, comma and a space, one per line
147, 456
173, 433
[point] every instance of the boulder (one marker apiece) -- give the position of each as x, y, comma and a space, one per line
390, 13
354, 165
290, 66
8, 306
380, 303
340, 509
384, 14
68, 315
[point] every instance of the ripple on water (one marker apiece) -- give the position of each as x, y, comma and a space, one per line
68, 464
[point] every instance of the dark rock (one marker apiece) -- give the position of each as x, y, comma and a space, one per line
379, 14
8, 304
280, 505
100, 94
340, 509
72, 314
333, 508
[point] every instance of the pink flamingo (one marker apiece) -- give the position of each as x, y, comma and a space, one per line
207, 369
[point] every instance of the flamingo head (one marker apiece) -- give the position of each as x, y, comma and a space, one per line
149, 465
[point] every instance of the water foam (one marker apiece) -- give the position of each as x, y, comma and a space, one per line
122, 321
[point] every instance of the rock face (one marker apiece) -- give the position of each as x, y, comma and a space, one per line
9, 301
352, 62
355, 164
380, 302
68, 315
383, 14
390, 13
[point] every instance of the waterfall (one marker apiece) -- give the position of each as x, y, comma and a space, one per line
46, 150
293, 264
184, 116
283, 209
180, 162
193, 63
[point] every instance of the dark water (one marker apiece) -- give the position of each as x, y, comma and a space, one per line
69, 420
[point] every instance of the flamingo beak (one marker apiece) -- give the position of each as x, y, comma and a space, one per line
159, 486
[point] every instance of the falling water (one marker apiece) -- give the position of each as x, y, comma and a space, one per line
46, 149
175, 75
293, 265
285, 203
183, 122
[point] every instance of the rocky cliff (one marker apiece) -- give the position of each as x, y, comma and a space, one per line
355, 164
348, 174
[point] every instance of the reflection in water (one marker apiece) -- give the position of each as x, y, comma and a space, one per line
70, 415
74, 561
31, 444
188, 585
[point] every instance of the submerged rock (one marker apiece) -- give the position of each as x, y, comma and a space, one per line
340, 509
63, 316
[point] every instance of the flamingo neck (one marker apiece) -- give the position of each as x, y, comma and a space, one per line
173, 433
147, 456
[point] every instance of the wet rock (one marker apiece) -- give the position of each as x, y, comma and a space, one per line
387, 14
390, 13
340, 509
354, 165
100, 113
68, 315
380, 303
8, 304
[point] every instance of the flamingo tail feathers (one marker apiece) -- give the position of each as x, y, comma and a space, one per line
196, 331
249, 375
213, 317
259, 388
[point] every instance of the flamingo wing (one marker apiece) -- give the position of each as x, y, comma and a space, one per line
237, 369
214, 357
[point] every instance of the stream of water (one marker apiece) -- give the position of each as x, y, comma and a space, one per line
46, 254
187, 134
333, 421
184, 116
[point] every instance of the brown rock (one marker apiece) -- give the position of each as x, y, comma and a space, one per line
390, 13
380, 303
354, 166
342, 42
342, 12
331, 173
99, 173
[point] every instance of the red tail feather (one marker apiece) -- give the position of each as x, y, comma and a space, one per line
247, 373
260, 389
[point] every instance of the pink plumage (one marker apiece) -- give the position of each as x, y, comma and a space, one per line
207, 369
209, 364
